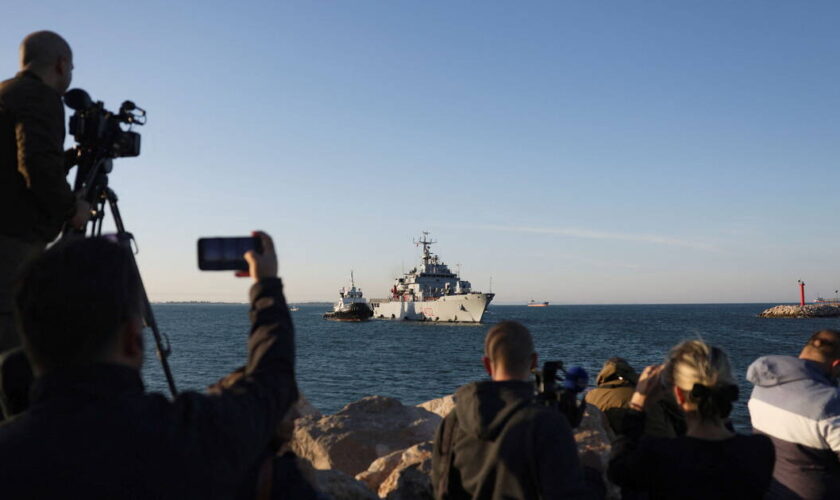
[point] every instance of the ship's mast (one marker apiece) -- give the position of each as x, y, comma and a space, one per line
427, 255
352, 282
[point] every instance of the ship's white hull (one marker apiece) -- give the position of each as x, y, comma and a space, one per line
466, 308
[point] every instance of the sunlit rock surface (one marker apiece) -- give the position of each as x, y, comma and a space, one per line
390, 475
361, 432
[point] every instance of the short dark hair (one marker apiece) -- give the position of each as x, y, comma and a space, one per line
510, 344
824, 344
74, 299
43, 48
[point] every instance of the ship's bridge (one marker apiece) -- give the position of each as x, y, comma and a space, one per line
430, 280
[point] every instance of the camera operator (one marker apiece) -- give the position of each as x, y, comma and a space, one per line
91, 430
498, 442
35, 199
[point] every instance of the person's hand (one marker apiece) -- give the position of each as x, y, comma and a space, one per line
649, 387
262, 265
82, 214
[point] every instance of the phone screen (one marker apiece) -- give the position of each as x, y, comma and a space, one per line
226, 254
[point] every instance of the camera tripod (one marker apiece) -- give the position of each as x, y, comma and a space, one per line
92, 183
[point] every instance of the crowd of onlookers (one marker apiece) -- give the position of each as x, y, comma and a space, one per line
670, 428
674, 438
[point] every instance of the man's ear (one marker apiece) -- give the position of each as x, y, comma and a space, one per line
534, 360
679, 395
834, 371
488, 365
132, 341
61, 65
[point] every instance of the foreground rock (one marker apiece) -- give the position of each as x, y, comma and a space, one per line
335, 484
361, 432
388, 447
402, 474
806, 311
440, 406
341, 486
411, 483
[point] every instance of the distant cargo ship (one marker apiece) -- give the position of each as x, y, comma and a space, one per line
431, 292
821, 300
534, 303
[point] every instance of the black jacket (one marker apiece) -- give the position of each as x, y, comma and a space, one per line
35, 198
736, 468
498, 444
94, 433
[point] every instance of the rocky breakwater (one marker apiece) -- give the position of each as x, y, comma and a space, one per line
379, 448
806, 311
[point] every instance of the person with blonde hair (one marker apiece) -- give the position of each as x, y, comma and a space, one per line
710, 461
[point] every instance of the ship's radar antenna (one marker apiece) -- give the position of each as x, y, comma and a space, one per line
426, 242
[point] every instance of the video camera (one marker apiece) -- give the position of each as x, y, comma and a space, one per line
100, 131
564, 397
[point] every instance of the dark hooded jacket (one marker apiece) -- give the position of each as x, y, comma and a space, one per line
497, 443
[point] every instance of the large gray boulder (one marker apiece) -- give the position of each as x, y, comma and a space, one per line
402, 473
341, 486
440, 406
361, 432
334, 484
410, 483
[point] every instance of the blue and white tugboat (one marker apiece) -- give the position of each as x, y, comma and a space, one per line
351, 305
431, 292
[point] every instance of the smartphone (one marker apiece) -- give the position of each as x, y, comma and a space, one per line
226, 254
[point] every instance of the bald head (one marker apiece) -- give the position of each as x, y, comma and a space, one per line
48, 55
509, 349
823, 347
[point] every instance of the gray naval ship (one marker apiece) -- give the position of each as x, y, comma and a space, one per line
431, 292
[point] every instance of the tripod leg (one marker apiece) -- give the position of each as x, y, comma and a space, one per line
162, 346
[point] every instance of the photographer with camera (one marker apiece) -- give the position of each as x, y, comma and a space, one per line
92, 431
499, 441
35, 198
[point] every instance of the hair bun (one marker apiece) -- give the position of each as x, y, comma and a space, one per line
700, 391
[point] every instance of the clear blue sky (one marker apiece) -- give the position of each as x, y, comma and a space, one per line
577, 152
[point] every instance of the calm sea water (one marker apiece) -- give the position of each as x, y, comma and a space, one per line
342, 362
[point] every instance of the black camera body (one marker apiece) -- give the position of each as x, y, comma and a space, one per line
97, 129
563, 398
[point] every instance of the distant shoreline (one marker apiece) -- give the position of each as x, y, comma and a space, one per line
219, 303
506, 304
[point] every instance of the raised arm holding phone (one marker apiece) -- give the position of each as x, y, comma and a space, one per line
92, 431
